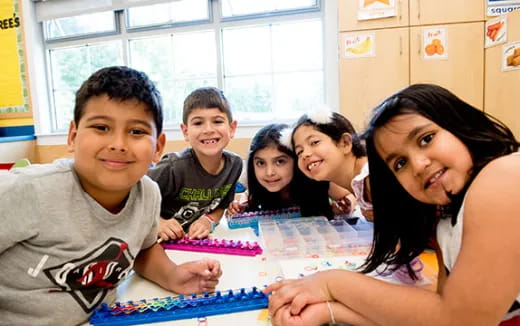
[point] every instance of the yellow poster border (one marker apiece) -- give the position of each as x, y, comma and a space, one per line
24, 110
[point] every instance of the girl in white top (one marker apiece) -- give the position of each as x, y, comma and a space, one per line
439, 168
328, 149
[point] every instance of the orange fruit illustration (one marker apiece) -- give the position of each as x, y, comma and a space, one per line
430, 49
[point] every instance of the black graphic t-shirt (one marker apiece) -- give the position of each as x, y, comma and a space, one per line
188, 191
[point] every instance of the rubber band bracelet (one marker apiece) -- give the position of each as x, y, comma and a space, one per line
332, 319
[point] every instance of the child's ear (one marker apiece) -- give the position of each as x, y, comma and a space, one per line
184, 130
232, 128
71, 137
159, 147
346, 142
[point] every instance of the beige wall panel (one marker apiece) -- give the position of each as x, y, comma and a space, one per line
502, 89
364, 82
427, 12
463, 71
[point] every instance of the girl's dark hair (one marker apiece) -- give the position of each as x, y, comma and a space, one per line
335, 128
402, 225
311, 196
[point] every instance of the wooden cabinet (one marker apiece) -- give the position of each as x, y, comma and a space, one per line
366, 81
399, 61
427, 12
348, 20
502, 88
463, 71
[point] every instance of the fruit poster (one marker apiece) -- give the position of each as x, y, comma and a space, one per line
435, 43
511, 56
496, 31
359, 45
501, 7
13, 79
375, 9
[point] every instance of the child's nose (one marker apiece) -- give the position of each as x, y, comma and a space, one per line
118, 143
420, 163
207, 127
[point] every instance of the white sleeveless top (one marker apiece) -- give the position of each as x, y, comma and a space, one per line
358, 186
449, 238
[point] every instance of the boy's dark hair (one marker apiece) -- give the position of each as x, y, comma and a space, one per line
206, 98
400, 221
335, 129
310, 195
123, 84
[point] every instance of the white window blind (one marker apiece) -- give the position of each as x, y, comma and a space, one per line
52, 9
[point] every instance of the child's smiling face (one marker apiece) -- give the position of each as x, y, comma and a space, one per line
114, 144
208, 130
319, 157
427, 160
274, 170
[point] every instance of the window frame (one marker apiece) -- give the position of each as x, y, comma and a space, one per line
41, 99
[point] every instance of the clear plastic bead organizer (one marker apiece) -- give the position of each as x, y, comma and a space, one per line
314, 237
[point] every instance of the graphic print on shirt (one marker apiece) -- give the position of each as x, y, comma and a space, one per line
89, 278
195, 198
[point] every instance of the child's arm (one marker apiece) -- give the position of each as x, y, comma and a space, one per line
320, 314
479, 290
343, 200
204, 225
191, 277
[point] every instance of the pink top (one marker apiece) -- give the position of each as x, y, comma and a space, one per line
358, 185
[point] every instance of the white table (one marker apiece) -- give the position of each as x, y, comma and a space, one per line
238, 272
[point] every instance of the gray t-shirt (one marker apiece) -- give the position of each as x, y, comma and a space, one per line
61, 253
188, 191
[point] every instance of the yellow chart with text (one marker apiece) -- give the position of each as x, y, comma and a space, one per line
12, 89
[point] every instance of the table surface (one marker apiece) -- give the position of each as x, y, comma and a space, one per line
238, 272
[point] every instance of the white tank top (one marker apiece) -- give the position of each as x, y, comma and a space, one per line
449, 238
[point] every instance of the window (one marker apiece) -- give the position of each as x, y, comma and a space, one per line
267, 56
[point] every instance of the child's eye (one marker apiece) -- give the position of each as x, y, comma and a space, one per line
281, 161
100, 127
315, 142
219, 121
197, 123
426, 139
299, 152
399, 163
259, 163
137, 132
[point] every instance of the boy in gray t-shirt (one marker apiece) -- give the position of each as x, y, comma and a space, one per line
199, 183
73, 230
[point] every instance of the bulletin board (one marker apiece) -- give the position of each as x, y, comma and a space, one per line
14, 92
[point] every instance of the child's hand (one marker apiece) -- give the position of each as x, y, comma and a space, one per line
236, 207
342, 206
314, 314
170, 229
200, 228
368, 214
196, 276
298, 293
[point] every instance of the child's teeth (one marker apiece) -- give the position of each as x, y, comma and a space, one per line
312, 165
